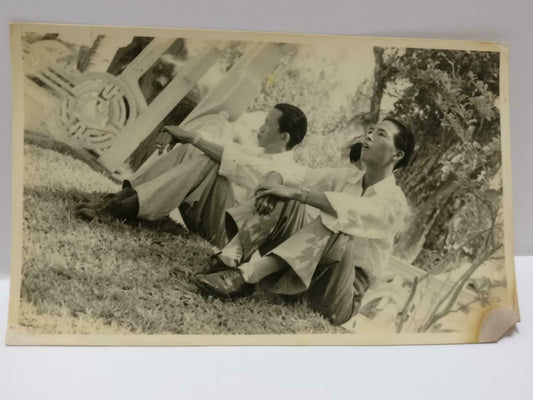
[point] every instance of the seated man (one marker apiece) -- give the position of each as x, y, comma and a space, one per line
203, 178
274, 222
335, 258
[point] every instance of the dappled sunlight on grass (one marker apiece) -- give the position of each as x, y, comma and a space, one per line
125, 277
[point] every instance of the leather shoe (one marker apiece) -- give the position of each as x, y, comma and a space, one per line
86, 213
215, 265
224, 284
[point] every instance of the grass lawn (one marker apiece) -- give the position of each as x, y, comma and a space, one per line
114, 277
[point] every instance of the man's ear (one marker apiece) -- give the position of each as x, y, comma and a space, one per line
398, 156
285, 137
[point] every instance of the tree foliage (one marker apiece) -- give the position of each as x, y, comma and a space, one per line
451, 105
310, 82
450, 100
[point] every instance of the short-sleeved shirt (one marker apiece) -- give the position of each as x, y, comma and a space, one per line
244, 166
371, 218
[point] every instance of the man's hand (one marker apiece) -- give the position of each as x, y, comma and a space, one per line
165, 141
180, 134
279, 191
265, 205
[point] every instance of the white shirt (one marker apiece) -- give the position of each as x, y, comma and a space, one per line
244, 166
372, 218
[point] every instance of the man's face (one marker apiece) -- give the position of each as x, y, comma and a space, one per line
378, 149
269, 134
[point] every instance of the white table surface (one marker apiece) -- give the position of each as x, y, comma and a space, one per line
489, 371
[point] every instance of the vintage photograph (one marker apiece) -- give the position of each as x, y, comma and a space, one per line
196, 187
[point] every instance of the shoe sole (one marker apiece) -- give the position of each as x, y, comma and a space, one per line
207, 290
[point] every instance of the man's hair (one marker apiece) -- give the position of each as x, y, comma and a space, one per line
355, 152
293, 121
404, 140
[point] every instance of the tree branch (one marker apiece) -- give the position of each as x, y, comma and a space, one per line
403, 315
455, 291
463, 306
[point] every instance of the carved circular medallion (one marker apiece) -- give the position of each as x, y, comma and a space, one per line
98, 108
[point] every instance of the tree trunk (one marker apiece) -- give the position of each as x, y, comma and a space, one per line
379, 85
127, 54
428, 198
379, 82
87, 53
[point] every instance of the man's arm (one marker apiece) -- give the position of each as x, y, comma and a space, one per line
371, 217
212, 150
284, 186
265, 205
305, 196
315, 199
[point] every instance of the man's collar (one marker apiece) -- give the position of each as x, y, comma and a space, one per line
284, 156
356, 175
385, 185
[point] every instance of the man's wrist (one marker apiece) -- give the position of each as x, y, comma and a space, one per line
302, 195
195, 140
